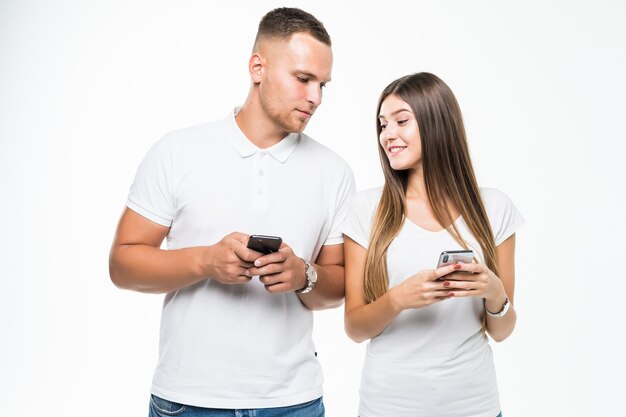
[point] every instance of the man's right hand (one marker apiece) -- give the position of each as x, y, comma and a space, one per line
138, 263
228, 259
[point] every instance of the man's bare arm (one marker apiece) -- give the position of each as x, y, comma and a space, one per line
136, 261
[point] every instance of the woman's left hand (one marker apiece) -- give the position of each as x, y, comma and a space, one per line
474, 280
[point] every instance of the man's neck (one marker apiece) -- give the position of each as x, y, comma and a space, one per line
257, 126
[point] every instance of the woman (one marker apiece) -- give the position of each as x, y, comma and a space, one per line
428, 354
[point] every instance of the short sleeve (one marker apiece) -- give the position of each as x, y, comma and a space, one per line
151, 193
504, 217
344, 199
359, 220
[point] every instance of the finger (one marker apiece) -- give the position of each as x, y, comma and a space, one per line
240, 237
471, 267
245, 254
460, 276
435, 286
443, 271
246, 265
237, 279
270, 269
271, 279
279, 287
441, 295
464, 293
275, 257
459, 285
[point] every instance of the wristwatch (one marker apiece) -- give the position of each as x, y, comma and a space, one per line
311, 278
502, 312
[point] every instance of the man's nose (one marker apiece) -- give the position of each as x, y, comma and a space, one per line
315, 94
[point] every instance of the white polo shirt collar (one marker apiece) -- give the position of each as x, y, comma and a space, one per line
280, 151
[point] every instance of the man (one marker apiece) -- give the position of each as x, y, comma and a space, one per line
236, 324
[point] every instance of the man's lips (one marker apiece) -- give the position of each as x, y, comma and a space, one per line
305, 113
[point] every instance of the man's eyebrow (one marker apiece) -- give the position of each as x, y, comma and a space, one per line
393, 113
311, 75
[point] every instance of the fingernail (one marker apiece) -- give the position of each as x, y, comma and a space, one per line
446, 284
451, 294
248, 273
257, 262
457, 266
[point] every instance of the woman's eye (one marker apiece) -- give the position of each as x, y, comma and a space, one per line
382, 127
402, 122
302, 80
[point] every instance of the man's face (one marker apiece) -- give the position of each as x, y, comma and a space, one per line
294, 73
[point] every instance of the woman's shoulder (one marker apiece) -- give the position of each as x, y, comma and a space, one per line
503, 216
494, 199
371, 193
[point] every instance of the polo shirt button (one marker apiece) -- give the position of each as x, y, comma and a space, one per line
261, 173
263, 154
260, 191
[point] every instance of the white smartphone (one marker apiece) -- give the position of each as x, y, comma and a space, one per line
449, 257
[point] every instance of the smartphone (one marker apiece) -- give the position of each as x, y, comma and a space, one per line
449, 257
264, 244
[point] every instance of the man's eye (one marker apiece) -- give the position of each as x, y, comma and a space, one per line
303, 80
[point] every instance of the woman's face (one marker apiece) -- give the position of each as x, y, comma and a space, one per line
399, 136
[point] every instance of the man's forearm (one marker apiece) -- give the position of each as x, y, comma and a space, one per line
148, 269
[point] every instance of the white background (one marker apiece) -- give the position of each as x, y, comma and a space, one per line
86, 87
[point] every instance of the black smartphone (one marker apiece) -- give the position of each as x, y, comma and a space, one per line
449, 257
264, 244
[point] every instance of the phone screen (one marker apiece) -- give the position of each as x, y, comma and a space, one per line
450, 257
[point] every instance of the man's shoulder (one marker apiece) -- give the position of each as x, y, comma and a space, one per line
190, 137
315, 149
199, 130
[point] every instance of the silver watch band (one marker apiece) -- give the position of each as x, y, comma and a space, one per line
311, 278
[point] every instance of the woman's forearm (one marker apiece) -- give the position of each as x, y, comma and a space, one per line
369, 320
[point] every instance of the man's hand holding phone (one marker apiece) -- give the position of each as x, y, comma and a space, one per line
280, 270
227, 260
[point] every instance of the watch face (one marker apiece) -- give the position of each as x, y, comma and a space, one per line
311, 274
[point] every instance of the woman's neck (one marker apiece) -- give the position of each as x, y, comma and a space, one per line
418, 205
416, 185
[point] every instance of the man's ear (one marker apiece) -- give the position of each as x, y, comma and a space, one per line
255, 67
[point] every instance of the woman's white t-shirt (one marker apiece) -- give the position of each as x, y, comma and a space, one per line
432, 361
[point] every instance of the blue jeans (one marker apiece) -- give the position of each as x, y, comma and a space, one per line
499, 415
160, 407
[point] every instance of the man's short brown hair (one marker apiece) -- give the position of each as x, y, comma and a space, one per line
283, 22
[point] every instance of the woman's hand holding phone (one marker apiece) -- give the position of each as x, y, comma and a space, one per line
474, 280
422, 289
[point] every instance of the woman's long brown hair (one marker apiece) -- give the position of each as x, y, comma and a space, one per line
448, 174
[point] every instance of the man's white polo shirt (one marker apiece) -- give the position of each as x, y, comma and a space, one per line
238, 346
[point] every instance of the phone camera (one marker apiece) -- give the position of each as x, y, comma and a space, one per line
445, 258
